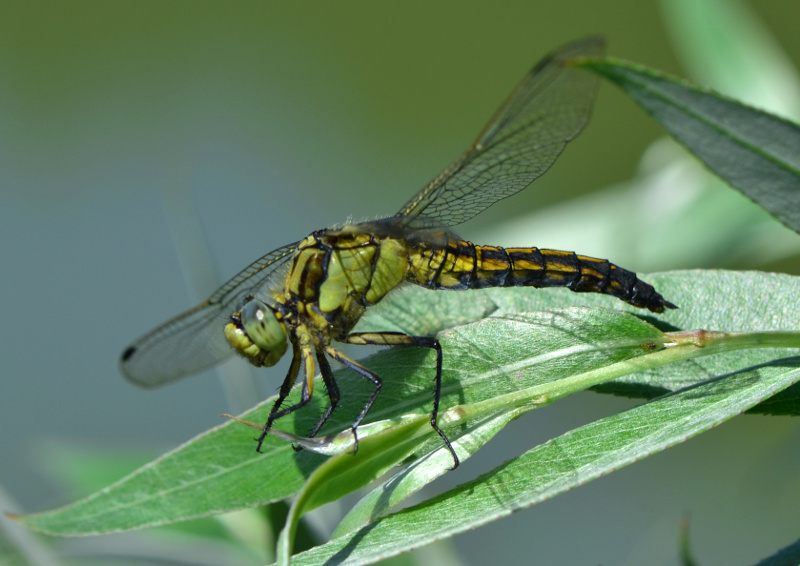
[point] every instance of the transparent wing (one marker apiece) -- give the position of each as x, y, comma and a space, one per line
549, 108
194, 340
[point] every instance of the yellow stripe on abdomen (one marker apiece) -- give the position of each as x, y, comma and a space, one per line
462, 265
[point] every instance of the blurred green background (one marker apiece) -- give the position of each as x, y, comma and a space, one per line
121, 123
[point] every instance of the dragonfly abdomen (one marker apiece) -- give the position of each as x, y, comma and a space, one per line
535, 267
463, 265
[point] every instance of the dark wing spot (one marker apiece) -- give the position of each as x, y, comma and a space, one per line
126, 355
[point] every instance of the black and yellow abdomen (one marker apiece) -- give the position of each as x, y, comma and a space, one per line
458, 264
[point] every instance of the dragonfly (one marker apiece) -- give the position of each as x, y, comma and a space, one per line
310, 294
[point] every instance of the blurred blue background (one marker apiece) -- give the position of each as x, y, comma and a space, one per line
120, 123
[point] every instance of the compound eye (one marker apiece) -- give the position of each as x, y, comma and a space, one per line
264, 329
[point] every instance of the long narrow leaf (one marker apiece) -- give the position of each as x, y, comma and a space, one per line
563, 463
708, 299
220, 470
754, 151
494, 357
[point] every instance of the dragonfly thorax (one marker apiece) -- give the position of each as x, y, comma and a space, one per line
258, 333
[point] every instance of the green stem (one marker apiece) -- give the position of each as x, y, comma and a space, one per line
682, 346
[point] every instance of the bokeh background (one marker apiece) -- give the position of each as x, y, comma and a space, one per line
149, 150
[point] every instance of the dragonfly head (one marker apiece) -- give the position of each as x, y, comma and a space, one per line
258, 333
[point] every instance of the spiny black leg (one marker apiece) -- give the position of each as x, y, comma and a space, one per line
333, 391
286, 387
366, 374
400, 339
428, 342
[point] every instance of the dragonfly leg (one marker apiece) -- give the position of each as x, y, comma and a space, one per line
299, 353
400, 339
369, 375
333, 391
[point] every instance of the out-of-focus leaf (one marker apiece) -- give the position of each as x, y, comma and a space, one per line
787, 556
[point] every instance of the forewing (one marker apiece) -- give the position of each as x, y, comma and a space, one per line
548, 109
194, 341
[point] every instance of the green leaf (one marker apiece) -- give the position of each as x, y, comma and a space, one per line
420, 473
727, 46
754, 151
558, 465
687, 555
342, 474
215, 472
220, 471
494, 368
709, 299
787, 556
722, 300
